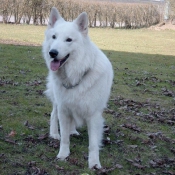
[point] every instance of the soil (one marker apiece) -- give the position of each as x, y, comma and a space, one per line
13, 42
163, 26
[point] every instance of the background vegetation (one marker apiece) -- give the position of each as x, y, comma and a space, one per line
101, 13
172, 9
140, 119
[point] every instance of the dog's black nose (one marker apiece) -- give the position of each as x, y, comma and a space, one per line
53, 53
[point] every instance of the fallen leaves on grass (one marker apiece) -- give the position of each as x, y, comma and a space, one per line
107, 170
12, 133
162, 162
59, 168
74, 161
136, 163
43, 136
34, 83
109, 111
154, 111
167, 92
31, 163
126, 138
132, 127
54, 143
160, 136
26, 123
107, 141
138, 166
4, 81
106, 129
169, 172
172, 150
11, 141
30, 139
34, 169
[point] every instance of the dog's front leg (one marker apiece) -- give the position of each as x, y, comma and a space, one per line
65, 123
54, 123
95, 132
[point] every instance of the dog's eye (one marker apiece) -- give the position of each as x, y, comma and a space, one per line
53, 36
68, 39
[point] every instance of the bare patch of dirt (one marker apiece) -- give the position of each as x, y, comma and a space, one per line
21, 43
163, 26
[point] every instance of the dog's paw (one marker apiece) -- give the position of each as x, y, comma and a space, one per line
74, 133
62, 156
64, 151
94, 164
55, 136
96, 167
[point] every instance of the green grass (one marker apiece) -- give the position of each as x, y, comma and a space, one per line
140, 111
135, 41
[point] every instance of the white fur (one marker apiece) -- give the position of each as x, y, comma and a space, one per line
85, 102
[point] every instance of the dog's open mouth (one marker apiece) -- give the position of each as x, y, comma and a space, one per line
56, 64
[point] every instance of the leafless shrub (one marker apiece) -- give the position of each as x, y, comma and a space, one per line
101, 13
172, 10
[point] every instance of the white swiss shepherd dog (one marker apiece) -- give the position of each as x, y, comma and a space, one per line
79, 83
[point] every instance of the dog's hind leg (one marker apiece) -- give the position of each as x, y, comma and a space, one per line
73, 130
54, 123
65, 124
95, 132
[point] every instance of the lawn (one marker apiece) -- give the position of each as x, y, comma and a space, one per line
140, 118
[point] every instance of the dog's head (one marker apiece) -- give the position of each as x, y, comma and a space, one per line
64, 40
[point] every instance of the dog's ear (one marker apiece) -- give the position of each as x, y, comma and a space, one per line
54, 16
82, 22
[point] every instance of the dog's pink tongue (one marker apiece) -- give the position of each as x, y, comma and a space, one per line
54, 65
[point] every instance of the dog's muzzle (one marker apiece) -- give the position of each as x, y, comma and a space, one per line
56, 63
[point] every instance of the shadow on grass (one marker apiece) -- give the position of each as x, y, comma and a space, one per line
142, 76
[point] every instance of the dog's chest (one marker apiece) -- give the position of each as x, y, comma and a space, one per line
76, 101
76, 108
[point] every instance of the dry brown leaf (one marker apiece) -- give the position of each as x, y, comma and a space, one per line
12, 133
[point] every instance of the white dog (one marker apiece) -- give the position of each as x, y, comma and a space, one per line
79, 82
